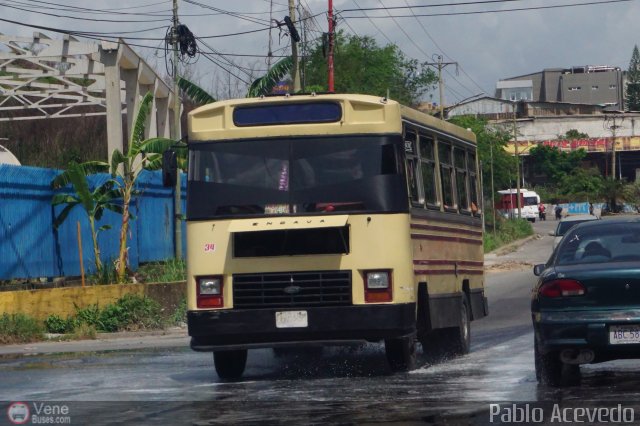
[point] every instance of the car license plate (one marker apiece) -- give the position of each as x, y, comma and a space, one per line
624, 334
291, 319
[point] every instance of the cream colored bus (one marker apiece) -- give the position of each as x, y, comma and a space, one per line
330, 219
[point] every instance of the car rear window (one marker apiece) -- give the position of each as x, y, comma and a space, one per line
563, 227
604, 242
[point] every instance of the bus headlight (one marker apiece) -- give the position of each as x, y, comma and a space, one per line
377, 280
377, 286
209, 292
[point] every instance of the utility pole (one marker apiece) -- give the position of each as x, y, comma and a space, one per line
270, 53
515, 143
331, 34
493, 202
610, 124
176, 135
295, 71
440, 65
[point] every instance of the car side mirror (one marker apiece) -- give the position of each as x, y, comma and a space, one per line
537, 269
552, 233
169, 168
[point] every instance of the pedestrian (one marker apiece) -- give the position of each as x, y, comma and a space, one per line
541, 212
591, 209
558, 212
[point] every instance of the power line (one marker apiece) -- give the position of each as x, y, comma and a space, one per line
80, 18
445, 54
484, 11
226, 12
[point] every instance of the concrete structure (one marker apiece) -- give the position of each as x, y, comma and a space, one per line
547, 122
45, 78
65, 301
596, 85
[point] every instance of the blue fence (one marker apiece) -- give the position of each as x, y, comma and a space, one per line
30, 247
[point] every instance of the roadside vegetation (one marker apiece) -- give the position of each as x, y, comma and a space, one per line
19, 328
506, 231
129, 313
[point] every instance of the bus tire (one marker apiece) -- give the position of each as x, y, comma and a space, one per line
401, 353
457, 340
230, 364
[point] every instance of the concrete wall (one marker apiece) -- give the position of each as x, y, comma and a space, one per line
550, 128
63, 301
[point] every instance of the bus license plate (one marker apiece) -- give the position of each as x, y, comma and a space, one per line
291, 319
624, 334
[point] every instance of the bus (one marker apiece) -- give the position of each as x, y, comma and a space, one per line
330, 219
507, 205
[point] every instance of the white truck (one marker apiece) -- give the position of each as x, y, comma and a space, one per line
507, 206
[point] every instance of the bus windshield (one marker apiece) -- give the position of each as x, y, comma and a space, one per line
296, 176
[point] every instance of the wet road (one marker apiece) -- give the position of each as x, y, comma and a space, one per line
340, 385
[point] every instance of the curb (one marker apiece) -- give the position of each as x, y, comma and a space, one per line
508, 248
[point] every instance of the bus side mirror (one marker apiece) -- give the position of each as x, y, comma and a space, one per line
169, 168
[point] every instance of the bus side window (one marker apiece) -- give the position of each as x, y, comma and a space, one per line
411, 153
460, 163
428, 168
446, 174
473, 183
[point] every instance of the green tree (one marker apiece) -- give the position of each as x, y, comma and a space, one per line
617, 191
491, 143
555, 164
361, 66
574, 134
93, 202
581, 185
633, 82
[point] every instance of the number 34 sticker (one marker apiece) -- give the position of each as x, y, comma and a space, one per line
209, 247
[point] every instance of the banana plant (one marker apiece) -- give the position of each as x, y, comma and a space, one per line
126, 167
197, 94
265, 84
104, 197
260, 87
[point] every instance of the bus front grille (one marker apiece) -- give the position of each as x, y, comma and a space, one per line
292, 289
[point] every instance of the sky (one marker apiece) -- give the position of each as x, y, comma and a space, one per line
498, 43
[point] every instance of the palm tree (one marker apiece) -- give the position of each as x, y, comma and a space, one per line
125, 168
93, 202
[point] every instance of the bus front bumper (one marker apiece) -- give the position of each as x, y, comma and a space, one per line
256, 328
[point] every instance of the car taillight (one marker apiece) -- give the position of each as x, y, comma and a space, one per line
209, 292
562, 288
377, 286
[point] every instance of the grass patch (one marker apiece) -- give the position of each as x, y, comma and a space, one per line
179, 316
507, 231
129, 313
169, 271
19, 328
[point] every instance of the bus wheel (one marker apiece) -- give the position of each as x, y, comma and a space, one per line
401, 353
457, 340
230, 364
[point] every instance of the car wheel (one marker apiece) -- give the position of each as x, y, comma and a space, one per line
401, 353
457, 340
230, 364
548, 367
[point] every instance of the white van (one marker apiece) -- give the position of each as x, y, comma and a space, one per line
529, 202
